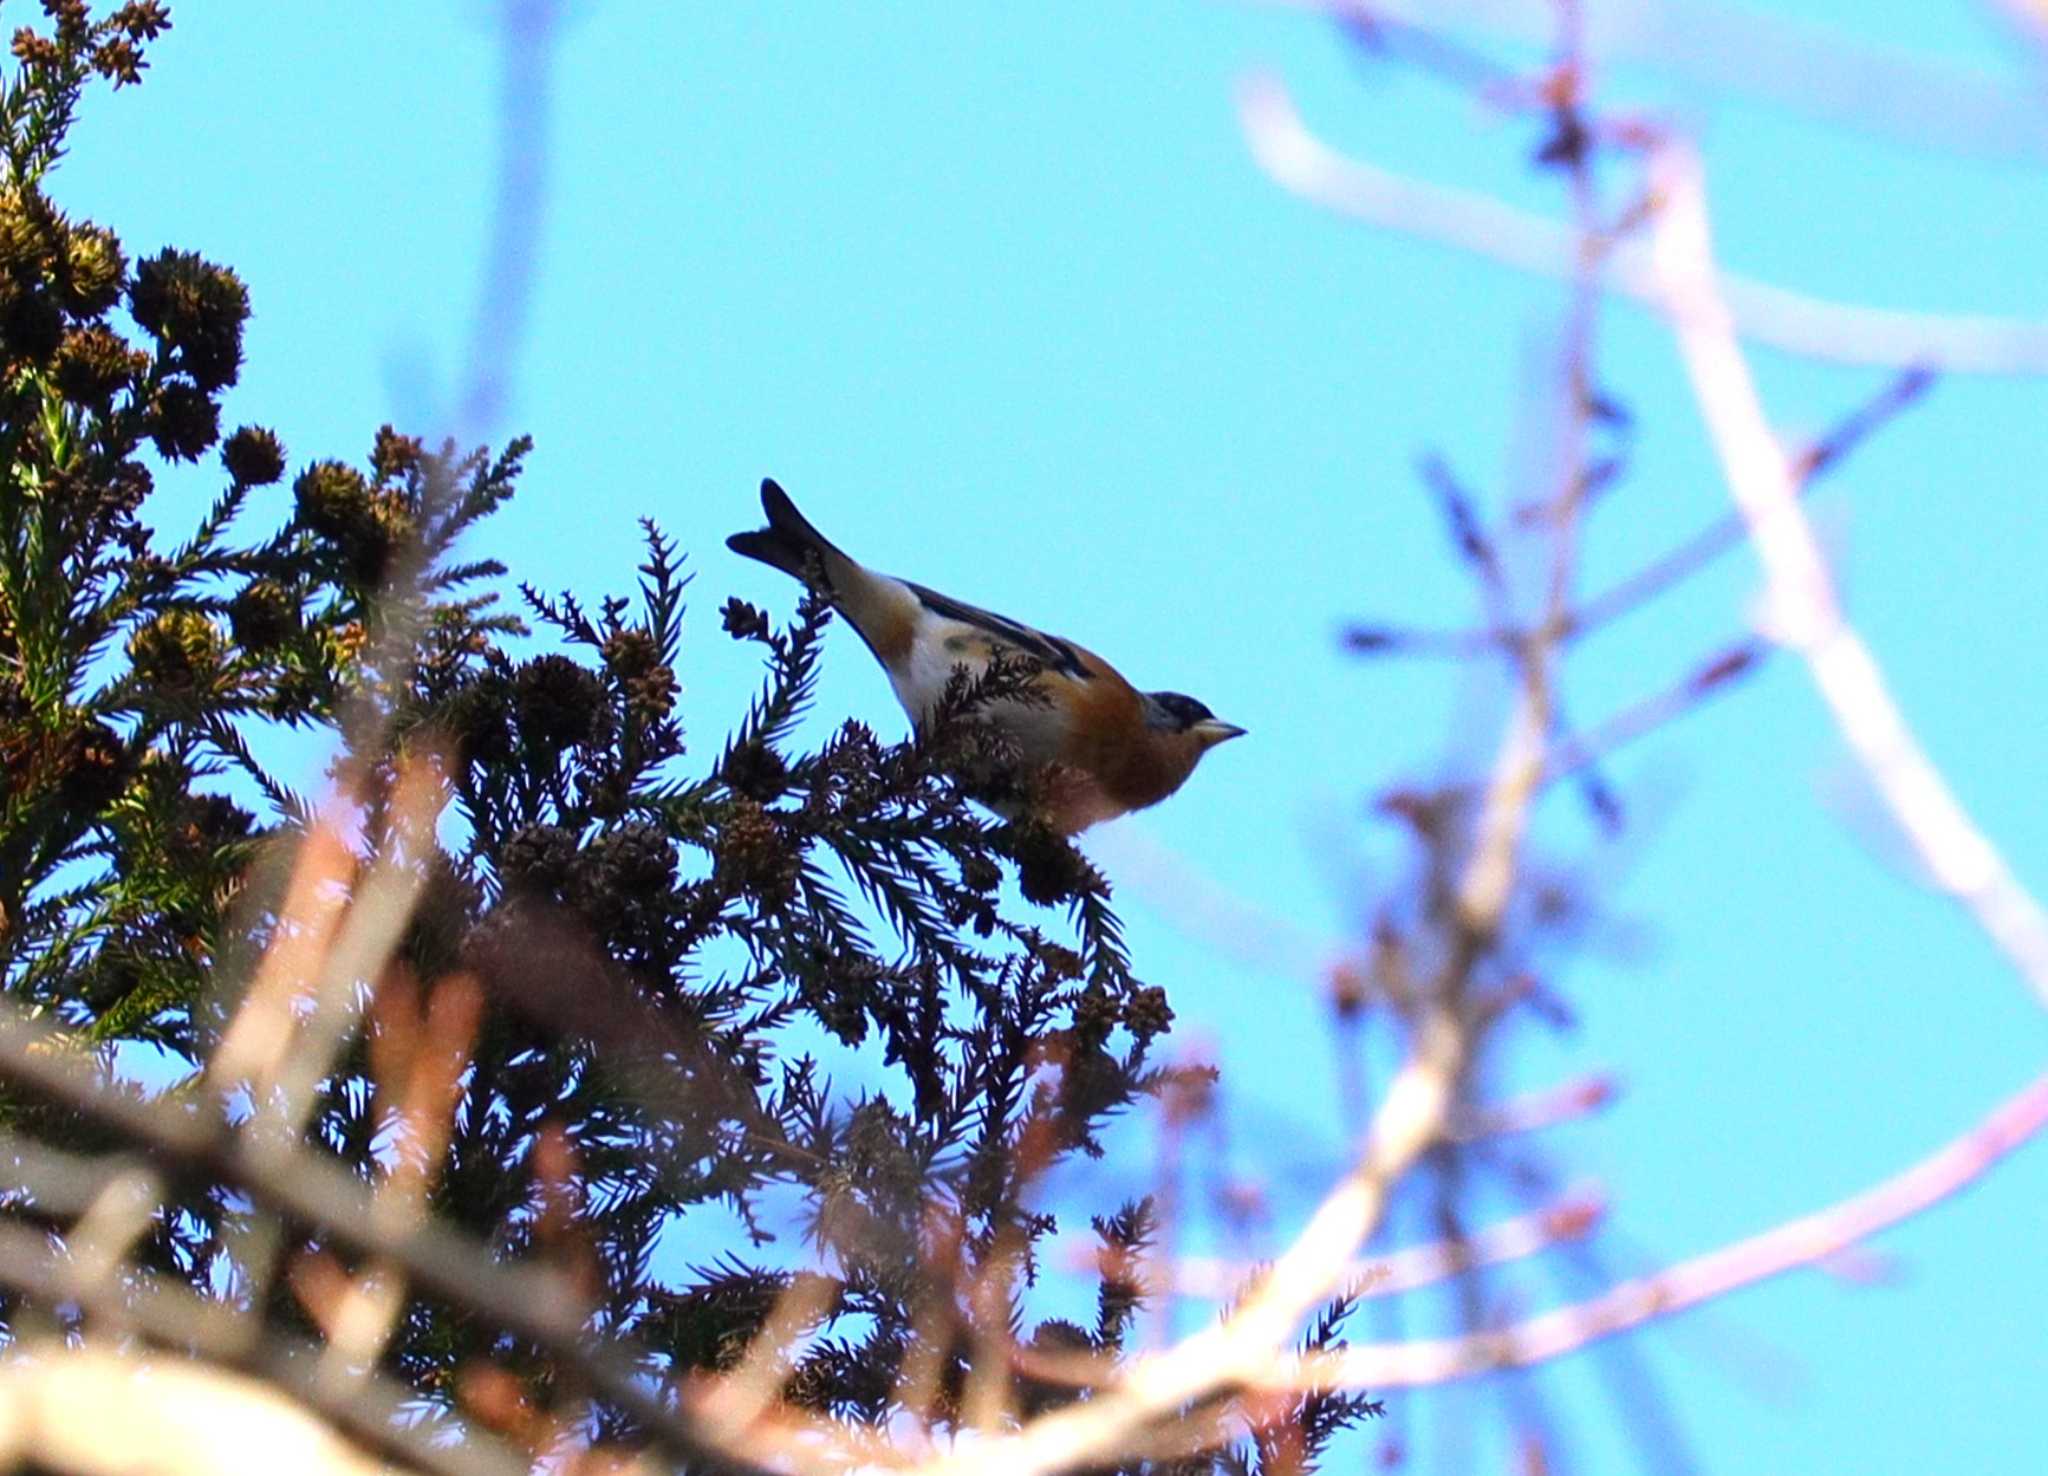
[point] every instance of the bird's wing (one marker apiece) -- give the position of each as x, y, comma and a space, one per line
1057, 654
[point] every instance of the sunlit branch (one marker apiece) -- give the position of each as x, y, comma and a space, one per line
1577, 1215
1803, 611
95, 1412
538, 1306
1793, 322
1808, 1241
1233, 1351
369, 1410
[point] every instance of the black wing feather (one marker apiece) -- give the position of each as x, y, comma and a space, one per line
1054, 652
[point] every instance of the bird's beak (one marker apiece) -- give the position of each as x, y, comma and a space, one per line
1213, 731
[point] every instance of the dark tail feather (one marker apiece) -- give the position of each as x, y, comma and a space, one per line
788, 537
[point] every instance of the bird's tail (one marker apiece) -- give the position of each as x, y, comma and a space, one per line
882, 610
789, 539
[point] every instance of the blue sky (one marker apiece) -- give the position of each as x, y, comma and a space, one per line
997, 293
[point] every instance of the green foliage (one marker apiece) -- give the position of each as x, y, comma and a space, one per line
663, 944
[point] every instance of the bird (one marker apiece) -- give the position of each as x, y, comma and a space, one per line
1100, 747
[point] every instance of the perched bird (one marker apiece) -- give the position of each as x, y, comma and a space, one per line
1102, 747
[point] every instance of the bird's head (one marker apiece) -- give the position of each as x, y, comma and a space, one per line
1188, 721
1125, 771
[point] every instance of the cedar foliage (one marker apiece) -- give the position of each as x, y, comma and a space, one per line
658, 926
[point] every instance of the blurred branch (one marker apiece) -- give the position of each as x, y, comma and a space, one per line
1205, 909
1533, 1111
1683, 560
1825, 72
95, 1412
369, 1410
539, 1306
1808, 1241
1812, 327
1714, 676
1240, 1347
1822, 455
528, 31
1575, 1216
2028, 17
1803, 611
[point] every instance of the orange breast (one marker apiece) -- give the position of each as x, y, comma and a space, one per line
1131, 764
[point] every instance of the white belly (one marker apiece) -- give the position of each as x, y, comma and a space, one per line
943, 646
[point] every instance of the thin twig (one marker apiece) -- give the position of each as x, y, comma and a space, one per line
1728, 532
528, 38
1808, 1241
1232, 1352
1535, 1111
1677, 564
1717, 674
1577, 1215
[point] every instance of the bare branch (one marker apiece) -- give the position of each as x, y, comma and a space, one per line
370, 1410
1574, 1217
167, 1416
528, 39
539, 1306
1812, 1240
1717, 674
1681, 562
1804, 612
1790, 321
1533, 1111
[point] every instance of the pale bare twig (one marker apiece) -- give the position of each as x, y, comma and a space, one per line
1804, 612
1534, 1111
315, 903
420, 1063
1825, 452
118, 1216
355, 1313
732, 1405
1233, 1351
357, 953
1807, 1241
53, 1180
1573, 1217
1790, 321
